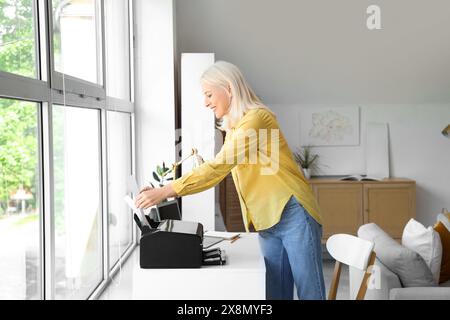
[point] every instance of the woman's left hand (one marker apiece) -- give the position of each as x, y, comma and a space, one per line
150, 197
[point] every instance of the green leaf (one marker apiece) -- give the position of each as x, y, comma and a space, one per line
159, 170
155, 176
168, 179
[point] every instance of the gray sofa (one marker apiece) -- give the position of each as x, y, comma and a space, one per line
391, 287
406, 278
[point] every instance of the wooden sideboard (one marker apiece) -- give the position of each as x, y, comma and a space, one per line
344, 205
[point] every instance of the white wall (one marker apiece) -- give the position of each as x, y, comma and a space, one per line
154, 86
305, 53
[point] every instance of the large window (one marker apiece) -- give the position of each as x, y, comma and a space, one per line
20, 262
66, 149
117, 49
119, 170
78, 241
17, 37
77, 38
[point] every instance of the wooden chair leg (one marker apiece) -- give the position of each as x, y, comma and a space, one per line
335, 281
363, 288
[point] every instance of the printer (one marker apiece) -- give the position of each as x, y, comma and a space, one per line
176, 244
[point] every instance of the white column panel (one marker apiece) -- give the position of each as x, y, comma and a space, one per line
198, 131
154, 86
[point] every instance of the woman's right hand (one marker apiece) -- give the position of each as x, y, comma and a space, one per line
145, 189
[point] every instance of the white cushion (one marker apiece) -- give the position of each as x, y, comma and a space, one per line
426, 242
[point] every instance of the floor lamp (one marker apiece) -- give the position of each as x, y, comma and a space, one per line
446, 131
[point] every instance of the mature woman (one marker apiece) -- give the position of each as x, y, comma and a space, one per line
274, 195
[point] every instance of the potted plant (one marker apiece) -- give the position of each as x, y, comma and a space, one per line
161, 175
306, 160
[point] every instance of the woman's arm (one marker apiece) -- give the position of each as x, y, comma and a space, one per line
211, 172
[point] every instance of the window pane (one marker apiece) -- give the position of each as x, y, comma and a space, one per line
77, 39
78, 241
119, 169
19, 206
117, 49
17, 37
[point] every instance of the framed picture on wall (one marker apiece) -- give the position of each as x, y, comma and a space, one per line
329, 126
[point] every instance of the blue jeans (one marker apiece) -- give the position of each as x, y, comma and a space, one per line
292, 253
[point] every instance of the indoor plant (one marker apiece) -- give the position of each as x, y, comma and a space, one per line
306, 160
161, 175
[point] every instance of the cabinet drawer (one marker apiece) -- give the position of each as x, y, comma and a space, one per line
390, 206
341, 207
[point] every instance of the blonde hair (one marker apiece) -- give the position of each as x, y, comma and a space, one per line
224, 74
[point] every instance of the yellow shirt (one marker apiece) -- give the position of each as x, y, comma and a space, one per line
264, 180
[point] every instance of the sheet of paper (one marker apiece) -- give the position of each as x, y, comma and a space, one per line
221, 234
138, 211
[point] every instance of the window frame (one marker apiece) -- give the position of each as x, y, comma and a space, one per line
49, 88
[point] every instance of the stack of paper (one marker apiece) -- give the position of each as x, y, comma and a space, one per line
221, 234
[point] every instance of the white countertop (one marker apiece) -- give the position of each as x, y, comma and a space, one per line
242, 277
